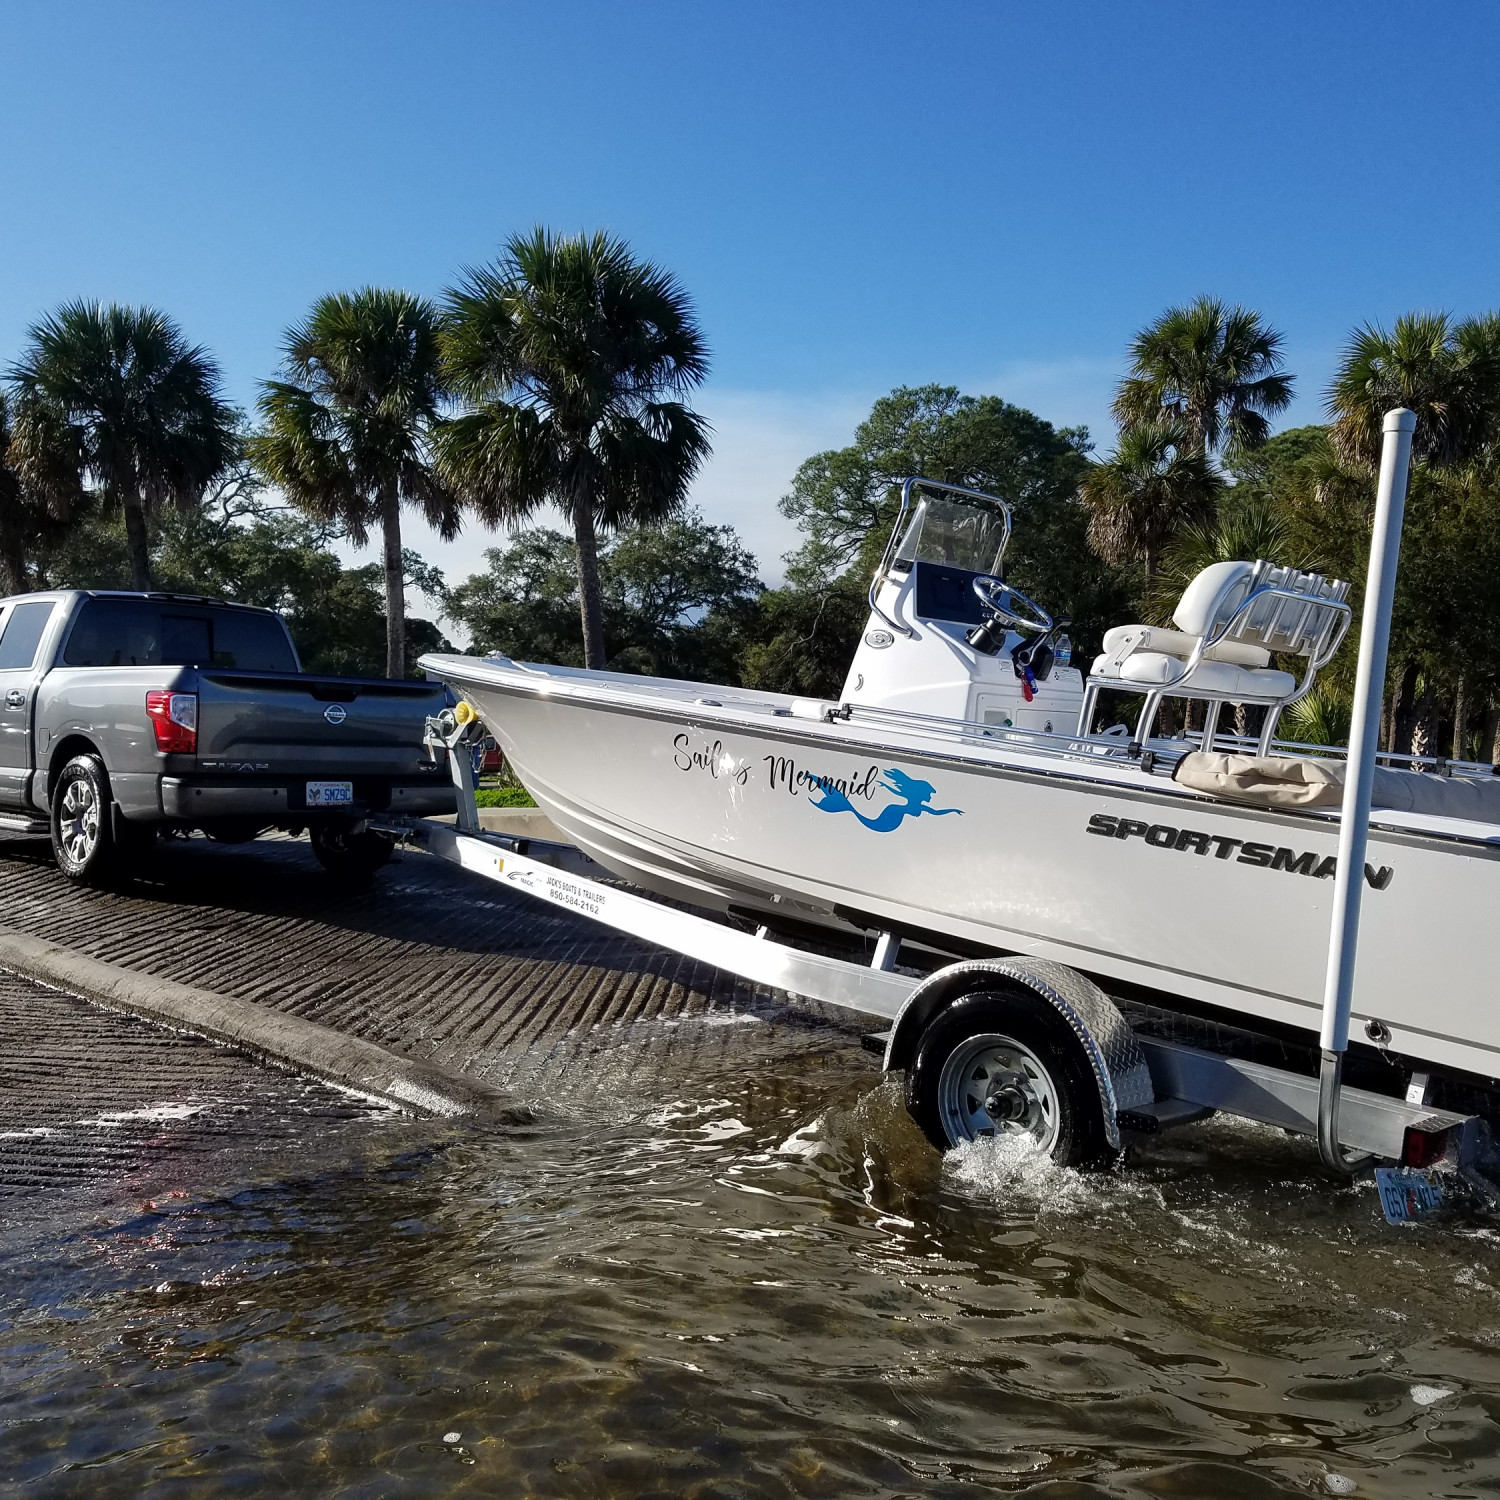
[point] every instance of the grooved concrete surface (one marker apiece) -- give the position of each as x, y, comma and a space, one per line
86, 1094
429, 962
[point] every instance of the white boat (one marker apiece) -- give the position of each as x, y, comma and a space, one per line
951, 799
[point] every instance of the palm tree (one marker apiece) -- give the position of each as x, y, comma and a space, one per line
1239, 529
1214, 368
1158, 481
116, 397
1446, 372
23, 518
349, 433
573, 358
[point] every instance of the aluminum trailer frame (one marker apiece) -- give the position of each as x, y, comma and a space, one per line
1186, 1083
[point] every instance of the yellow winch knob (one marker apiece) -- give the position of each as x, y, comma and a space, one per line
464, 712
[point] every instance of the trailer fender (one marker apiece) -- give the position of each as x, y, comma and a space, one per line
1118, 1064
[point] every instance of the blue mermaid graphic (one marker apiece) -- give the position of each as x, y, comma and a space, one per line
915, 796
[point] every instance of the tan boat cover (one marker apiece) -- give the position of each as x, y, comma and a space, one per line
1282, 781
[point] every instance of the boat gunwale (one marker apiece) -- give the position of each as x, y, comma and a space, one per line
1126, 781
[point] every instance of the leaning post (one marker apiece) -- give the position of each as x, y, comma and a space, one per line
1354, 819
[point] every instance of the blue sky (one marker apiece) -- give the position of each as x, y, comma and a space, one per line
857, 197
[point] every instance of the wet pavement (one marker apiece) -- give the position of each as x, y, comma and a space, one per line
723, 1263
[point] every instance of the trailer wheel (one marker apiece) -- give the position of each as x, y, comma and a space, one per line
1004, 1063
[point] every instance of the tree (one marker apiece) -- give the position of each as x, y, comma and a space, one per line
116, 397
845, 501
1215, 369
676, 599
349, 431
1446, 372
1158, 482
241, 545
574, 358
26, 523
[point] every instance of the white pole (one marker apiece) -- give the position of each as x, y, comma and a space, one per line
1364, 731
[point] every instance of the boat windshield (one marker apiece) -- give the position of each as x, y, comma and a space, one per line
958, 533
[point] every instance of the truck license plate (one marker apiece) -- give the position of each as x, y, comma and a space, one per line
1407, 1194
329, 793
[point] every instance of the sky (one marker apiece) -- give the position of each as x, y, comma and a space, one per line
856, 197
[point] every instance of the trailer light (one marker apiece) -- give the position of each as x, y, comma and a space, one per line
1420, 1148
174, 717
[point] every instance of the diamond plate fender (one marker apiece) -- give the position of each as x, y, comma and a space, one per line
1118, 1064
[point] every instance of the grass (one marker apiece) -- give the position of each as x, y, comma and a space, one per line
503, 796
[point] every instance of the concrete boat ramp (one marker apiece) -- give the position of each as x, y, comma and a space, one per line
425, 994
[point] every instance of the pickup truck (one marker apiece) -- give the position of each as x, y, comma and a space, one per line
124, 715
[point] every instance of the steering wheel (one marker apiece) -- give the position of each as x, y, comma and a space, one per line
1002, 600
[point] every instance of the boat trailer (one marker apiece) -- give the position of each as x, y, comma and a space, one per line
1138, 1083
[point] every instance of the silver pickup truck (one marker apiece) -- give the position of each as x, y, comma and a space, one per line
124, 715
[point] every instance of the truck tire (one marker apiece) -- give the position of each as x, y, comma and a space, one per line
83, 840
349, 855
1002, 1062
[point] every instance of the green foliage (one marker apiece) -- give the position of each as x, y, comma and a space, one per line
1215, 369
677, 598
240, 547
348, 432
1447, 373
114, 399
1156, 484
573, 358
503, 796
845, 501
802, 639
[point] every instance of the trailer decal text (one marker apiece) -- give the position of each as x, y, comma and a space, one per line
1264, 856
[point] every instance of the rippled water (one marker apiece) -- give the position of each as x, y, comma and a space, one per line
760, 1284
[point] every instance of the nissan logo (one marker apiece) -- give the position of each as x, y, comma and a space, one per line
335, 714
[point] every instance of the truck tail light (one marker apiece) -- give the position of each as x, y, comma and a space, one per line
174, 717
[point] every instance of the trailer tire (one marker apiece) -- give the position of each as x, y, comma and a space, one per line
1009, 1046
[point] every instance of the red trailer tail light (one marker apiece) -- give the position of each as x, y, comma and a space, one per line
174, 717
1420, 1148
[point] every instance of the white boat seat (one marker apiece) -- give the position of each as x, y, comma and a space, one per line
1218, 679
1229, 621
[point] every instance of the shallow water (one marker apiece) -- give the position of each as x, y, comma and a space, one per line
750, 1278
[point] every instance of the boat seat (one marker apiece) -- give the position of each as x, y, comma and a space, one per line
1230, 620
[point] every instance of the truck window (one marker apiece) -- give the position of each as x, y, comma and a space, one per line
164, 633
22, 635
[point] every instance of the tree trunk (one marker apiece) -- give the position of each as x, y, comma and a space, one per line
395, 584
1421, 728
13, 561
590, 599
1490, 744
137, 544
1460, 721
1401, 715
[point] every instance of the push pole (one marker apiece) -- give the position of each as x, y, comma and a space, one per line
1354, 819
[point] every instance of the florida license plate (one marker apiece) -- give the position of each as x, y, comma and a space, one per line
329, 793
1407, 1194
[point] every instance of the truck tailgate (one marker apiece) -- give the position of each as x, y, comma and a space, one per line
284, 723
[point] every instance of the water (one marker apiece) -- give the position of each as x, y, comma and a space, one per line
741, 1278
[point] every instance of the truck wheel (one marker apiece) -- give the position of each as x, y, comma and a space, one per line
1004, 1063
82, 835
349, 855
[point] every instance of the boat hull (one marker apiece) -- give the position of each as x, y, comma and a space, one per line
1201, 899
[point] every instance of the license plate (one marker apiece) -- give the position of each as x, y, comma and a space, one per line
329, 793
1406, 1194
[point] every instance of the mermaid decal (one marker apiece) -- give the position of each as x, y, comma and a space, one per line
915, 796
